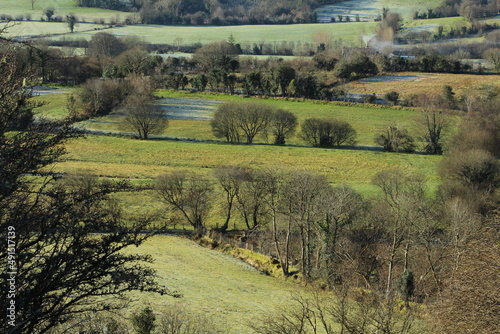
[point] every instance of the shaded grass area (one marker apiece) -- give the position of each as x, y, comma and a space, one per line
212, 283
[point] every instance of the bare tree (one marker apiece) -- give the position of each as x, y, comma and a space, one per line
395, 140
328, 132
216, 56
189, 194
230, 179
434, 122
400, 209
302, 205
236, 119
225, 124
49, 12
135, 61
343, 207
253, 118
471, 302
144, 117
71, 21
251, 199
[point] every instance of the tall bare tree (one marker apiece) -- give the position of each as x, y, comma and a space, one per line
189, 194
283, 124
144, 117
230, 179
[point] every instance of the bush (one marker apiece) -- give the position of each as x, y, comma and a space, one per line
369, 98
328, 132
144, 321
392, 97
395, 140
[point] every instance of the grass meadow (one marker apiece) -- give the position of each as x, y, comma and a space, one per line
350, 33
217, 285
367, 120
417, 83
142, 161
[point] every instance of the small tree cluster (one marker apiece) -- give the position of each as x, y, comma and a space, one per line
395, 140
235, 121
327, 132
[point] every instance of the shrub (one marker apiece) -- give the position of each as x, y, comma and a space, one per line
392, 97
395, 140
328, 132
369, 98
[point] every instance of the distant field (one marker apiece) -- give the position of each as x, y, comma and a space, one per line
418, 83
62, 8
351, 33
135, 159
370, 9
367, 120
37, 28
216, 285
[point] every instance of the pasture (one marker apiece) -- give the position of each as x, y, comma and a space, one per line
349, 33
214, 284
199, 151
367, 120
141, 161
418, 83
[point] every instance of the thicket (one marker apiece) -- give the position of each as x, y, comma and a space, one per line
218, 12
470, 9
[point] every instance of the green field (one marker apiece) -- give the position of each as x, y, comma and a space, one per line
350, 33
61, 7
141, 161
367, 120
212, 283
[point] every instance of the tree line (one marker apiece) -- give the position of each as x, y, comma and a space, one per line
215, 12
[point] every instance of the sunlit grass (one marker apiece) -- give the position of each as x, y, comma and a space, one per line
212, 283
138, 159
425, 83
245, 34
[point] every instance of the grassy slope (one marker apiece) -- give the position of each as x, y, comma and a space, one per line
212, 283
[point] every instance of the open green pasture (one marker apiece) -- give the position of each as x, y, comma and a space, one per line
367, 120
351, 33
212, 283
137, 159
61, 7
